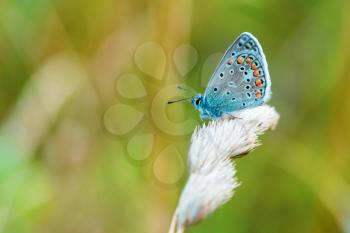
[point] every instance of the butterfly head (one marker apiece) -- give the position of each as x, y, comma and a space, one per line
197, 101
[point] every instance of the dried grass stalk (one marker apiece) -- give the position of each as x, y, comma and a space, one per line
212, 173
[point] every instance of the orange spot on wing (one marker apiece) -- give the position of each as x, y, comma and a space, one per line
254, 66
248, 60
257, 94
240, 60
256, 73
258, 82
230, 62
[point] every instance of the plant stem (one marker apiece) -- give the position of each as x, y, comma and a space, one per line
173, 222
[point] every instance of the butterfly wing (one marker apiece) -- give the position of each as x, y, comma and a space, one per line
241, 79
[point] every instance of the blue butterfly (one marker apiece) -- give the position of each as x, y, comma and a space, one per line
241, 80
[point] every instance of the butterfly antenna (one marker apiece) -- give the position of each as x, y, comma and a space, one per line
176, 101
180, 87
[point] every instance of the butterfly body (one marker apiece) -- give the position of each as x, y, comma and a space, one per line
241, 80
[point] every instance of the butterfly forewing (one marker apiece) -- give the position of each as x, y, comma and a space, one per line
241, 79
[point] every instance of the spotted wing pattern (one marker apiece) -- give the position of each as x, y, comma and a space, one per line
241, 79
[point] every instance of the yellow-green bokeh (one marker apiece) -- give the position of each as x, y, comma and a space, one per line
71, 161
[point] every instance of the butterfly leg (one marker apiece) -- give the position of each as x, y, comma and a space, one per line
240, 155
230, 116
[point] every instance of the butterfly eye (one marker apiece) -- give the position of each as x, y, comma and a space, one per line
198, 101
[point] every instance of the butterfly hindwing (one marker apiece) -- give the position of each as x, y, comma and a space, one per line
241, 79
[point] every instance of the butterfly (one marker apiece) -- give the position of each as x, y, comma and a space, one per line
241, 80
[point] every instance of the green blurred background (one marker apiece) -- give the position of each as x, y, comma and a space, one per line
84, 148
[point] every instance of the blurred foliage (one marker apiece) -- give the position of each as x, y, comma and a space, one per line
62, 169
